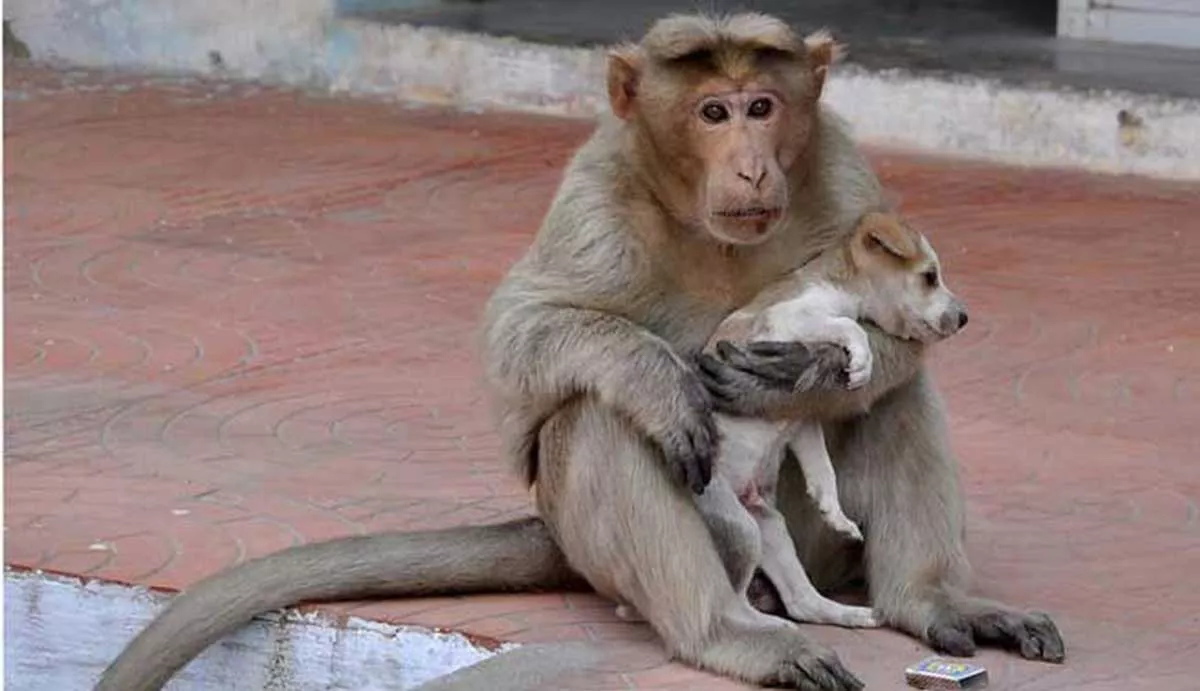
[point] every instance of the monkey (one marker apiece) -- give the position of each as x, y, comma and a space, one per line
717, 171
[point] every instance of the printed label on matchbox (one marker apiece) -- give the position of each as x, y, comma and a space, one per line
954, 670
936, 673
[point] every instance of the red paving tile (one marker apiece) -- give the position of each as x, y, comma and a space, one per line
241, 318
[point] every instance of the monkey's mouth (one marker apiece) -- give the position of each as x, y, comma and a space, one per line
750, 213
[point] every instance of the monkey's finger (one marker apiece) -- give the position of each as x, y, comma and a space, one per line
704, 448
776, 348
699, 474
774, 372
719, 378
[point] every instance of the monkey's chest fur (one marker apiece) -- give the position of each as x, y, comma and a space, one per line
697, 288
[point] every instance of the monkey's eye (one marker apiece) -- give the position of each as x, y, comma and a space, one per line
931, 278
759, 108
714, 113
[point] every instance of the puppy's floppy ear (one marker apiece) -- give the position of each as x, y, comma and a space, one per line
886, 233
624, 74
822, 52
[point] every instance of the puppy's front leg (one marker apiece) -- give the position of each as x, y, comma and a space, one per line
795, 321
807, 442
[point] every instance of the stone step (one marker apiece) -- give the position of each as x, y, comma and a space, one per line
63, 631
338, 45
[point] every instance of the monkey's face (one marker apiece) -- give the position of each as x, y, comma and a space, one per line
723, 113
743, 137
906, 293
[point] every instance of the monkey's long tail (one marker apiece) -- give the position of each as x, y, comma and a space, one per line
513, 556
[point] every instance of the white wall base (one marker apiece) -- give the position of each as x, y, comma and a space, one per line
302, 42
1174, 23
60, 634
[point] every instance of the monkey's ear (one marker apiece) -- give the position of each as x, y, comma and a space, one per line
884, 232
624, 73
823, 52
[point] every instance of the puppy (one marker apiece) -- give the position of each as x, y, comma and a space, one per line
885, 272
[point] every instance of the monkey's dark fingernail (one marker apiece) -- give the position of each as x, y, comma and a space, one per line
725, 348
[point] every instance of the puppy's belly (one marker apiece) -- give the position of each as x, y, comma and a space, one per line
750, 455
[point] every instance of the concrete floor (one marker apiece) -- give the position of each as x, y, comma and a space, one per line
1012, 41
240, 318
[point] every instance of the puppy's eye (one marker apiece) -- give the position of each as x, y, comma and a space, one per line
759, 108
714, 113
931, 278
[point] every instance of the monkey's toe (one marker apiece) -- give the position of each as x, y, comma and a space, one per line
951, 636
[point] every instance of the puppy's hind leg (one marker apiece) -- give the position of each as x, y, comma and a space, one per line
800, 598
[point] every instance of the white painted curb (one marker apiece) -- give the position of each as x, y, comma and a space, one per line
301, 42
62, 632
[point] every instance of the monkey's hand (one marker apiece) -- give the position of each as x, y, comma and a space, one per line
686, 431
762, 377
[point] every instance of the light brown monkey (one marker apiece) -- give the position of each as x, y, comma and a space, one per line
717, 173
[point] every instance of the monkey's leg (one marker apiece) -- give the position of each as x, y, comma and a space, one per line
916, 566
638, 538
734, 531
736, 537
801, 600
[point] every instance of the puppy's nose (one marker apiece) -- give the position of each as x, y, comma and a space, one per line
962, 319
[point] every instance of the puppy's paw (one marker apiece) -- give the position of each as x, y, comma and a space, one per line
858, 370
847, 528
861, 618
629, 614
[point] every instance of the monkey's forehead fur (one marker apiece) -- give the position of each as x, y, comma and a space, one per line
678, 35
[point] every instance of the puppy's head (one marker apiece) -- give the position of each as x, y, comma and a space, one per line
905, 292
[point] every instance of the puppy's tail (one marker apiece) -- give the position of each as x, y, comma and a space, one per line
515, 556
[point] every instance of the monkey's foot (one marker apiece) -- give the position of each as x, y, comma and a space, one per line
1032, 635
813, 668
768, 651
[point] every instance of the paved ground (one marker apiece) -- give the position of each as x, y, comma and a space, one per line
238, 319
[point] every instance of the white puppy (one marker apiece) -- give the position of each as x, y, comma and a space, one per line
886, 273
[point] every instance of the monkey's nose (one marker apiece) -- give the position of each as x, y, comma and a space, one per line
753, 176
962, 319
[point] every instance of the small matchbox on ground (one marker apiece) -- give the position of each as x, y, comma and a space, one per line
938, 673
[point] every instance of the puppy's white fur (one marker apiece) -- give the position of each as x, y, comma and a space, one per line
885, 272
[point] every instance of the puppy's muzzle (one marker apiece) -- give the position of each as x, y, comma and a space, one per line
954, 319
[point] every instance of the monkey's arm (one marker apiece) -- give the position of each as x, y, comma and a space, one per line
547, 353
791, 379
